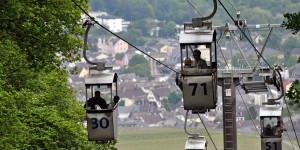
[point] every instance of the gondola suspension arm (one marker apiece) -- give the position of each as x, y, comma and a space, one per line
99, 65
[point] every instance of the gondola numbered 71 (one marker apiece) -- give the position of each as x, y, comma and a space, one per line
198, 85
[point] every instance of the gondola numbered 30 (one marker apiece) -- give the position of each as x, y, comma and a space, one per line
101, 122
198, 77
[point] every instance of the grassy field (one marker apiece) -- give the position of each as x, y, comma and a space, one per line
169, 138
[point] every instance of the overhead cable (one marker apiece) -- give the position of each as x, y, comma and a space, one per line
245, 35
93, 19
291, 120
207, 131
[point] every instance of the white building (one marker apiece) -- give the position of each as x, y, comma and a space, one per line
115, 24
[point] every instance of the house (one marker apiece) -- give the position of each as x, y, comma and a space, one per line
161, 93
121, 59
125, 112
133, 95
158, 47
152, 99
287, 85
153, 119
114, 23
102, 56
112, 45
162, 48
128, 77
211, 115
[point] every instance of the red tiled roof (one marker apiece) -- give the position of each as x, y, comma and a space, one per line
286, 83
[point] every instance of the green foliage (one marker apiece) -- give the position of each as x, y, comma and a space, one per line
168, 29
98, 31
272, 60
39, 109
145, 25
289, 44
293, 22
255, 15
294, 94
135, 10
142, 70
173, 99
134, 36
180, 11
137, 59
139, 65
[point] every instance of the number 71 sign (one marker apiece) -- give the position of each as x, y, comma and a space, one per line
198, 92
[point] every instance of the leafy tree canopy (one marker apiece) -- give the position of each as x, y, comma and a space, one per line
134, 36
173, 99
293, 94
39, 109
137, 59
139, 65
293, 22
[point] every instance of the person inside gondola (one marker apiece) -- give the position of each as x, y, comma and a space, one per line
199, 62
187, 62
279, 128
97, 100
268, 130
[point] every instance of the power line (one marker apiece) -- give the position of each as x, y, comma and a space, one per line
93, 19
207, 131
249, 112
195, 8
291, 120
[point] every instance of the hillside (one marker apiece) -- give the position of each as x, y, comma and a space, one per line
255, 11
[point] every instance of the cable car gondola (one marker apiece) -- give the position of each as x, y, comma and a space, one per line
102, 123
101, 99
198, 82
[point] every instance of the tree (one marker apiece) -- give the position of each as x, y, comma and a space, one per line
137, 59
139, 65
145, 25
294, 94
173, 99
293, 22
168, 29
39, 109
134, 36
135, 10
290, 43
256, 14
